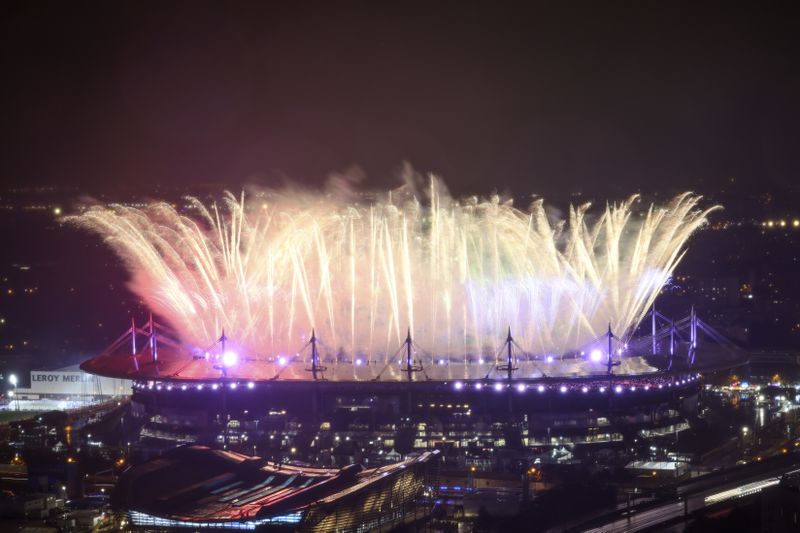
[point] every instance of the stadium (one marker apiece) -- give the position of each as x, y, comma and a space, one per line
182, 397
307, 329
299, 311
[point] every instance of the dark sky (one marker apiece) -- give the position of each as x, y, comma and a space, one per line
564, 96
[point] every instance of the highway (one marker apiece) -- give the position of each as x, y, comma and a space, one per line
695, 496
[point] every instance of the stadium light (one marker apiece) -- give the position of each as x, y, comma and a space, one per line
498, 387
596, 355
230, 359
540, 388
521, 387
458, 385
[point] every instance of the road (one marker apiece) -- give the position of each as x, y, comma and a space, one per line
693, 497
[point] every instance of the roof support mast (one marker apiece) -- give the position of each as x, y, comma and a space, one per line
509, 366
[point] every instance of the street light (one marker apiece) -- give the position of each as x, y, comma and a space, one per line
13, 380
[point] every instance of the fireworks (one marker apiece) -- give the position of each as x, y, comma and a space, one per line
268, 267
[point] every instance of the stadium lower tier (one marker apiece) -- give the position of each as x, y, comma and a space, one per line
336, 423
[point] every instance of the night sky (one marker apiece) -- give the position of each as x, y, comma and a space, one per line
562, 97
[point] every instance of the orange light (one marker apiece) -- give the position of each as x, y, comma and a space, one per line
70, 460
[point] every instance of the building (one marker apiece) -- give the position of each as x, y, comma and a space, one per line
196, 487
71, 383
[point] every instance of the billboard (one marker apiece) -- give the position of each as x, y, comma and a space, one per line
75, 383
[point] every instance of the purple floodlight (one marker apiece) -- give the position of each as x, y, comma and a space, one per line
230, 359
